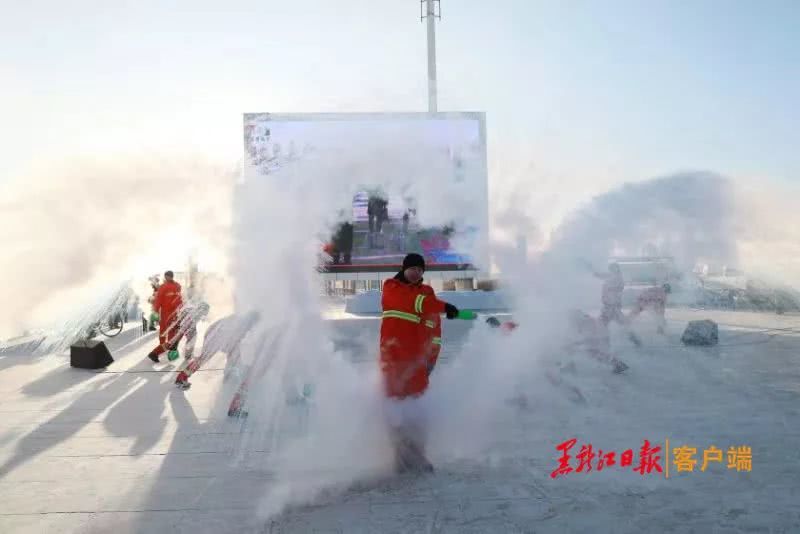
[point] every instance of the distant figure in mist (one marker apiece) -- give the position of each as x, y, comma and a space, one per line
410, 342
168, 301
377, 214
611, 298
652, 299
343, 244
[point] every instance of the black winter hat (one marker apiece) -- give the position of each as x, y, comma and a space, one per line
413, 260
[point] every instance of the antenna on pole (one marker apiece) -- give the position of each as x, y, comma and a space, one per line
428, 10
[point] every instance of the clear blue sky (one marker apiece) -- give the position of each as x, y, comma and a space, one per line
643, 87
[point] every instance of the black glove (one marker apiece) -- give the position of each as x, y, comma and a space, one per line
451, 311
493, 322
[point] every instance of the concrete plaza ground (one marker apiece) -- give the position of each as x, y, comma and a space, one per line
124, 451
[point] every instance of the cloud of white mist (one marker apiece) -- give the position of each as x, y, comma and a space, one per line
341, 437
768, 231
344, 440
279, 221
689, 216
73, 230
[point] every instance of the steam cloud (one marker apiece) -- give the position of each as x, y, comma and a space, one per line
72, 230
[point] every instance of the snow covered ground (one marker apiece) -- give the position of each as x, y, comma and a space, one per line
123, 451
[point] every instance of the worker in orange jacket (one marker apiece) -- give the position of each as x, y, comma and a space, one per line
410, 343
166, 304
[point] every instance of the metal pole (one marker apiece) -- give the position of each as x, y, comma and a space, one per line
431, 16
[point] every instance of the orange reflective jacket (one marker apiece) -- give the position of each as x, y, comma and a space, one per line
410, 336
167, 302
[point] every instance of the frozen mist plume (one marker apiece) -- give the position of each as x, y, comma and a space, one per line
687, 216
281, 220
341, 439
769, 232
74, 230
690, 217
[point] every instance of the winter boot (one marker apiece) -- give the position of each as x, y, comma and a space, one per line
182, 382
421, 462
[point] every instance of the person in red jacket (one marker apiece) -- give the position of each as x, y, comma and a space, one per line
410, 342
166, 304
